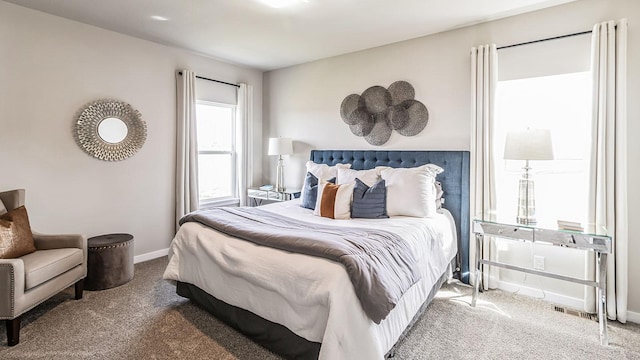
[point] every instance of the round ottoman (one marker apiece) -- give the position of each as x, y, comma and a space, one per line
110, 261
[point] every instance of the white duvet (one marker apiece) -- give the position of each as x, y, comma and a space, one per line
312, 297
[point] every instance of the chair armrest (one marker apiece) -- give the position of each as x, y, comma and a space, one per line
11, 280
47, 242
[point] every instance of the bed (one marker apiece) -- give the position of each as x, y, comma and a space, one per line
305, 307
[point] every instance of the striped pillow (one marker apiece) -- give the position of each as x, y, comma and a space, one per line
334, 201
369, 202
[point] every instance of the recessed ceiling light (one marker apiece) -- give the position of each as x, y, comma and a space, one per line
159, 18
281, 3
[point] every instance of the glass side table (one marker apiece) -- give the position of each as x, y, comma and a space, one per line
597, 241
257, 196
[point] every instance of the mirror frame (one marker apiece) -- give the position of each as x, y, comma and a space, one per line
90, 117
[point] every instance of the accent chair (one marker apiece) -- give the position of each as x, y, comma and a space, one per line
58, 262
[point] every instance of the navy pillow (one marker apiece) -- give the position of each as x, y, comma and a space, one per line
310, 190
369, 202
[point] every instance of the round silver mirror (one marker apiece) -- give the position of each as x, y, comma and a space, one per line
112, 130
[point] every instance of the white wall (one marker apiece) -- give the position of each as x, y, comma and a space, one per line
302, 102
49, 68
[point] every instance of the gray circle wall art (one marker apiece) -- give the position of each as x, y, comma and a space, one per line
378, 111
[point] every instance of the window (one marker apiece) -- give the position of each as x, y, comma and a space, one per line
546, 85
562, 104
216, 152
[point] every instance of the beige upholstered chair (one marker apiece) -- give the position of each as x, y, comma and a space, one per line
58, 262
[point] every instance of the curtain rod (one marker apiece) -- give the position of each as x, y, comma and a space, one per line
547, 39
218, 81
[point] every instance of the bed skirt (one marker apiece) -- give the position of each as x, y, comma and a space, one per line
270, 335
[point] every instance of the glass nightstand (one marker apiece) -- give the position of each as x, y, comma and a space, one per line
597, 241
257, 196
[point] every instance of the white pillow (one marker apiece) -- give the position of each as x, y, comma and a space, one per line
411, 191
333, 170
433, 169
3, 210
334, 208
347, 176
321, 172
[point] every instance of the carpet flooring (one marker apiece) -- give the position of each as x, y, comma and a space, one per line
145, 319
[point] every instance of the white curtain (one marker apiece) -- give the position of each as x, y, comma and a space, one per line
608, 185
186, 145
484, 80
244, 119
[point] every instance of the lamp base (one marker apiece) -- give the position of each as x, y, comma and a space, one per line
526, 220
280, 175
526, 198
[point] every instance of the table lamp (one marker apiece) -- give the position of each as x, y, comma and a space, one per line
280, 146
530, 144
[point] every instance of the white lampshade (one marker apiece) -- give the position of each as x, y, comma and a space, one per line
280, 146
530, 144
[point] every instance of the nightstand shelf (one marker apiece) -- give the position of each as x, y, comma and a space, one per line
257, 197
598, 242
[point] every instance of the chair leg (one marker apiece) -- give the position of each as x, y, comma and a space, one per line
79, 289
13, 331
13, 325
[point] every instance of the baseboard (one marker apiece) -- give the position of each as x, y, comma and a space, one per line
559, 299
150, 255
568, 301
633, 317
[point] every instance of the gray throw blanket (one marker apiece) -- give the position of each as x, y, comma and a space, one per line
379, 263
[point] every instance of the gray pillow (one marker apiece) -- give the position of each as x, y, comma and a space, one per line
3, 209
310, 190
369, 202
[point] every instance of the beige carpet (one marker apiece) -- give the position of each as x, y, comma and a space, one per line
145, 319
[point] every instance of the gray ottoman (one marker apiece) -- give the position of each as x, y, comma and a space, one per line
110, 261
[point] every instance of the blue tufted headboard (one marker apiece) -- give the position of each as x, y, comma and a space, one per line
454, 180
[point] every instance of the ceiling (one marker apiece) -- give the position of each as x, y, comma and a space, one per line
256, 34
